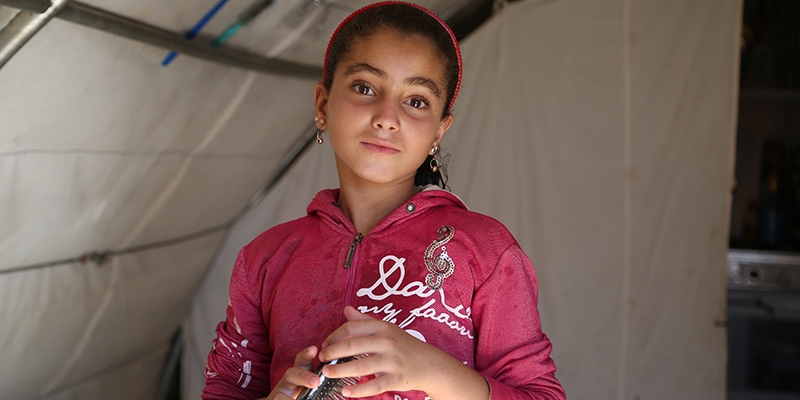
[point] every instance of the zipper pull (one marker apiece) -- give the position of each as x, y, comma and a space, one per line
352, 250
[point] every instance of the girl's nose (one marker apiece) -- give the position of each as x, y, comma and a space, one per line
386, 116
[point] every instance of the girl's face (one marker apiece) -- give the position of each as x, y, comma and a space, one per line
383, 111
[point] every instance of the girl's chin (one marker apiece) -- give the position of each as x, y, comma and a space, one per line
384, 178
379, 180
376, 171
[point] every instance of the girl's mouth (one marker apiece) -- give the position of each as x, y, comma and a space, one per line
380, 148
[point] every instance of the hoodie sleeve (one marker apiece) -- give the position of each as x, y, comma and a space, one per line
239, 361
513, 353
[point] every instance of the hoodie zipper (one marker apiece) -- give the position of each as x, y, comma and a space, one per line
351, 273
352, 251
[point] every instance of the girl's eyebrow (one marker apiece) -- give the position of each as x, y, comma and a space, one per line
416, 80
423, 81
360, 67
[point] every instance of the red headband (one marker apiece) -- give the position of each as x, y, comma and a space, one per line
418, 7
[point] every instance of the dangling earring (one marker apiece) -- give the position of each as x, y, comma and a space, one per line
434, 164
320, 132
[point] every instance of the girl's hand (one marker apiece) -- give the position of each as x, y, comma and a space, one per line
297, 377
399, 361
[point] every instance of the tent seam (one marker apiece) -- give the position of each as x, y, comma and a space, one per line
170, 189
162, 199
626, 250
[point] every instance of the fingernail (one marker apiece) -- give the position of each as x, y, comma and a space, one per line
346, 391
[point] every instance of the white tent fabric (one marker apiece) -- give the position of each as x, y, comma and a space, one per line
605, 142
603, 139
600, 132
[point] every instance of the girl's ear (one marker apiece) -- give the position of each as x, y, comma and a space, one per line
320, 101
444, 125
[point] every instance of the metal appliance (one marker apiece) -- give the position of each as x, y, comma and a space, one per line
763, 321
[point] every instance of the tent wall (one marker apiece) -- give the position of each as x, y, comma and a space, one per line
601, 133
605, 142
101, 148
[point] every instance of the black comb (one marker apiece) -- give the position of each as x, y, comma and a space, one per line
330, 388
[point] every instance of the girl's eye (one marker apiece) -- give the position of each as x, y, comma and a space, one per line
361, 88
417, 103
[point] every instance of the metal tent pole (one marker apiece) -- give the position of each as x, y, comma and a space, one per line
37, 6
24, 25
96, 18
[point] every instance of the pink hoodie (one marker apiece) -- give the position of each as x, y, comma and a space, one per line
290, 285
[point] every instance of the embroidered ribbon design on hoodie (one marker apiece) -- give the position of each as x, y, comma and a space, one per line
439, 265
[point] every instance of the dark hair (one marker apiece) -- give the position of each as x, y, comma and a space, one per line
410, 20
426, 176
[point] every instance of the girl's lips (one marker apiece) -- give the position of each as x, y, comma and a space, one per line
380, 148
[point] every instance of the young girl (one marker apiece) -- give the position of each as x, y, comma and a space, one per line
441, 300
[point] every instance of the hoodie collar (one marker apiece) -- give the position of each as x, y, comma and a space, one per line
324, 205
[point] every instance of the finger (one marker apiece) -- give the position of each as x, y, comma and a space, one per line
300, 375
361, 367
369, 388
281, 396
278, 396
295, 378
305, 358
354, 315
345, 344
360, 326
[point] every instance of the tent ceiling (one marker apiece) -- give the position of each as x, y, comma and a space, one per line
293, 31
